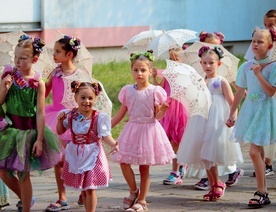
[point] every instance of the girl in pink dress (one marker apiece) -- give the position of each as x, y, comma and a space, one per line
174, 122
65, 50
86, 166
143, 140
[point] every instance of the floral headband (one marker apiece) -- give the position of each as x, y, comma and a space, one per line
36, 42
96, 88
216, 49
204, 35
272, 32
76, 85
74, 42
220, 36
136, 55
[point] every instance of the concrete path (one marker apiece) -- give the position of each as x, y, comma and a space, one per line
161, 198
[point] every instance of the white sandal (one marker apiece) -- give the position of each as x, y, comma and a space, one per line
139, 207
131, 199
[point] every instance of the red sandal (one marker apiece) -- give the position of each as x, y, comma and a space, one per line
216, 192
219, 192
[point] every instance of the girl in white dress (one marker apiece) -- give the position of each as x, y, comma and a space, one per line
209, 147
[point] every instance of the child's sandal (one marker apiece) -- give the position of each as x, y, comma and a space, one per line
209, 196
131, 199
139, 207
258, 203
218, 194
267, 200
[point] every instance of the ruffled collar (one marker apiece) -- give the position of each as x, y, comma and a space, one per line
263, 61
19, 80
59, 71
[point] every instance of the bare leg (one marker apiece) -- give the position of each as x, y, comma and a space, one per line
90, 200
175, 165
61, 189
257, 156
144, 182
26, 192
129, 176
12, 182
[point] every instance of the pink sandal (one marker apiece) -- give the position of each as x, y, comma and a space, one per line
213, 195
131, 199
219, 192
209, 196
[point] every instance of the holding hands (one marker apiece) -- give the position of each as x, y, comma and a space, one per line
230, 121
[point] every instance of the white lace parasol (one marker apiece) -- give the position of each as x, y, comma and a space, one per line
229, 63
169, 40
83, 60
8, 42
140, 42
103, 102
188, 87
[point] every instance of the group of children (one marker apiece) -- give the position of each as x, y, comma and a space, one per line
153, 135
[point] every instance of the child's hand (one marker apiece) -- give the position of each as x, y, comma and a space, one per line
61, 116
164, 107
230, 122
37, 149
7, 82
114, 149
154, 72
257, 69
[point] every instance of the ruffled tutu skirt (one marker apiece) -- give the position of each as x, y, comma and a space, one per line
256, 122
51, 122
143, 144
16, 150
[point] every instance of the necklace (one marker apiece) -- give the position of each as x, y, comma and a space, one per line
263, 61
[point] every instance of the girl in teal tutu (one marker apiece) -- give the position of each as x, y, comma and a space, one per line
26, 144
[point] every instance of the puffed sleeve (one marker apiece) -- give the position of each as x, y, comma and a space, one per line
160, 95
241, 76
272, 75
103, 125
65, 121
122, 95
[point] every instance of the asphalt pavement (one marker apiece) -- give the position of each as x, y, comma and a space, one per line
161, 198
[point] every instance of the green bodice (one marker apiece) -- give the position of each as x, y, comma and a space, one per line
21, 101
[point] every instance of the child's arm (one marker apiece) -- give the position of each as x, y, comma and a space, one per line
154, 76
109, 140
40, 118
118, 116
227, 91
4, 87
160, 111
48, 85
267, 87
60, 127
237, 99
